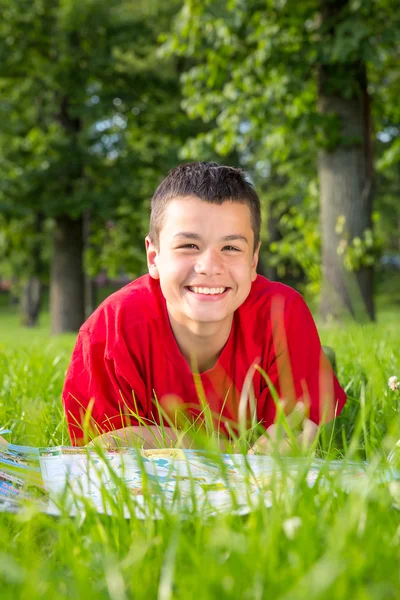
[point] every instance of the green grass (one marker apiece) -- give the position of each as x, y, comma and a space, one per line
348, 545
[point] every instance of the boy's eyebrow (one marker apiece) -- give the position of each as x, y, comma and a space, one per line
227, 238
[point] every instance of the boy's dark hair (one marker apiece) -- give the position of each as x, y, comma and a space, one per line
210, 182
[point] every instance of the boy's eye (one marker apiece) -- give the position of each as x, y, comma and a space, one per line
190, 246
231, 248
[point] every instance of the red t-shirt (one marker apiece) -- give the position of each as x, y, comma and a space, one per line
126, 355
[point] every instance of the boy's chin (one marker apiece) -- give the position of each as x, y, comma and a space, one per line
202, 317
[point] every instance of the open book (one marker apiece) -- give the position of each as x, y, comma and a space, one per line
70, 480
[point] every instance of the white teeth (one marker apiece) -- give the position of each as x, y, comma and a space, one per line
203, 290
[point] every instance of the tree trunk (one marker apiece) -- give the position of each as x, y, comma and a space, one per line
90, 283
346, 180
31, 296
31, 301
67, 304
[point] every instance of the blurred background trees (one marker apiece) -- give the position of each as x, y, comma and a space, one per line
92, 121
98, 99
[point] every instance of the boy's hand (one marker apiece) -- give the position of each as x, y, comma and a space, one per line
140, 437
275, 439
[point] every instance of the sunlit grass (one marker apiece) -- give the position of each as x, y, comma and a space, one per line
344, 545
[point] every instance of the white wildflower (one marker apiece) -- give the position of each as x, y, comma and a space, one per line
394, 383
291, 526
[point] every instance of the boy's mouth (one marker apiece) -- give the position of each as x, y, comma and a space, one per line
208, 291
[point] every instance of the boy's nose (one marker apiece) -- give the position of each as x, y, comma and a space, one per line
209, 262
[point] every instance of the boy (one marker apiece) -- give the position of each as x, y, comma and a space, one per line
198, 323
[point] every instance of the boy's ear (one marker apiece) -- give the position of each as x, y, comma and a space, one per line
152, 258
255, 262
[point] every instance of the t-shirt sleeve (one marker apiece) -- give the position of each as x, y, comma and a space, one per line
97, 397
298, 368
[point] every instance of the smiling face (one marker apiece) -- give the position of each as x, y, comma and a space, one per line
205, 260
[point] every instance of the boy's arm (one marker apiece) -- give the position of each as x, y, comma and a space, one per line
96, 395
299, 369
152, 436
303, 379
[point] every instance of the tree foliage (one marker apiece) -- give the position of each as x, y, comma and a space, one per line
256, 82
91, 114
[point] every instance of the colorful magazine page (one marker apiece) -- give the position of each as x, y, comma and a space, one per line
20, 476
22, 461
11, 486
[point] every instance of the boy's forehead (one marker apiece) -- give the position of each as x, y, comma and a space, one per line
191, 209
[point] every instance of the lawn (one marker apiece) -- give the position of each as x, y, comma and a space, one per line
345, 544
